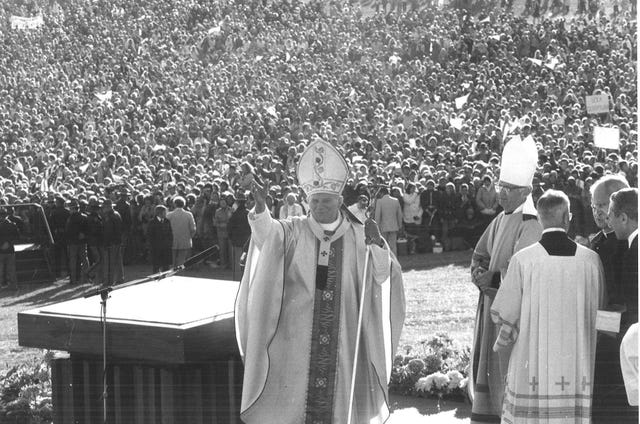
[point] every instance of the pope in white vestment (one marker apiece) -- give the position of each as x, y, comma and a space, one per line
297, 314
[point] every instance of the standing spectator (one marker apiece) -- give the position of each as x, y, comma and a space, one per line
360, 208
183, 228
512, 230
430, 203
546, 309
111, 245
77, 230
411, 216
239, 232
450, 205
160, 240
291, 207
95, 230
487, 200
608, 377
221, 222
58, 222
9, 236
388, 215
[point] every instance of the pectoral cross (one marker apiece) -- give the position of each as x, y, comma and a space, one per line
562, 383
534, 384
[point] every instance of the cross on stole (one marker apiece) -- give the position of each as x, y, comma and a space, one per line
562, 383
324, 253
534, 384
584, 383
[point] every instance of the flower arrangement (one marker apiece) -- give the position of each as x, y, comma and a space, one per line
435, 368
25, 393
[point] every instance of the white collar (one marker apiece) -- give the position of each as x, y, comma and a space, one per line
553, 229
632, 236
333, 225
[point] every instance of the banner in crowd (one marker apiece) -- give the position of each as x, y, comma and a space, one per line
21, 22
606, 138
598, 103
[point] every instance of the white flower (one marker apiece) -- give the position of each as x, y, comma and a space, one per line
464, 382
424, 384
440, 380
455, 377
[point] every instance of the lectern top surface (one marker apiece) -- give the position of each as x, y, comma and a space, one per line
172, 301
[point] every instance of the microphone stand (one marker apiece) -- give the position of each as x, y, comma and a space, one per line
104, 295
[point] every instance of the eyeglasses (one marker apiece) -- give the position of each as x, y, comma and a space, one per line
506, 189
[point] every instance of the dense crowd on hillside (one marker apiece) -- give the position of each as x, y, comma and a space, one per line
140, 102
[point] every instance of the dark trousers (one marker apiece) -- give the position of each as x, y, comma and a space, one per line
59, 258
95, 269
8, 270
160, 259
78, 263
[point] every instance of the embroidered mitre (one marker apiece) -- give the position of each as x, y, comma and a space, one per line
322, 169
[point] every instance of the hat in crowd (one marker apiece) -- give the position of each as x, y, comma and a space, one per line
519, 161
322, 169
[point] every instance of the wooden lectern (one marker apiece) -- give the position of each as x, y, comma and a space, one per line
171, 348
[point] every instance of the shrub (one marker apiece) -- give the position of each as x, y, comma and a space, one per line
25, 393
436, 367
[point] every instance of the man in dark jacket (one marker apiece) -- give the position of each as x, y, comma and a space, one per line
123, 207
111, 249
9, 236
160, 240
76, 235
94, 240
58, 222
239, 232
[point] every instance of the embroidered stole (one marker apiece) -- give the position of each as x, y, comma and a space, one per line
326, 324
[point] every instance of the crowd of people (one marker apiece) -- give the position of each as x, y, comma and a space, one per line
137, 103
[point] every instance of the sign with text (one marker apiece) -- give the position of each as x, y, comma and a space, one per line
598, 103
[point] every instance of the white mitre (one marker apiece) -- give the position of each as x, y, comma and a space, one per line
322, 169
519, 161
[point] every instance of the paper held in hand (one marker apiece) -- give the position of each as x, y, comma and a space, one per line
608, 321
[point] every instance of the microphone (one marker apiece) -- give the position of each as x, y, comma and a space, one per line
199, 257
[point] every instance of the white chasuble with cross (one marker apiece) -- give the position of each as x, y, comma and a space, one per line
546, 309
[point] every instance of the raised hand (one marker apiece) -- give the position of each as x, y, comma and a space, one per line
260, 194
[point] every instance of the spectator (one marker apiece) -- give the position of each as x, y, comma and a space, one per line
221, 223
9, 236
95, 242
111, 252
290, 208
360, 208
388, 215
160, 240
487, 199
183, 228
239, 232
76, 232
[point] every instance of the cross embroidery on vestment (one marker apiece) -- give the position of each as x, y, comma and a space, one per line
534, 384
562, 383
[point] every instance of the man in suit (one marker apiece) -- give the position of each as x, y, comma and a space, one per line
111, 245
607, 376
76, 235
160, 240
430, 204
623, 219
388, 215
183, 228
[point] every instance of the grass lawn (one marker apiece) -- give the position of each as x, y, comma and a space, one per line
440, 298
